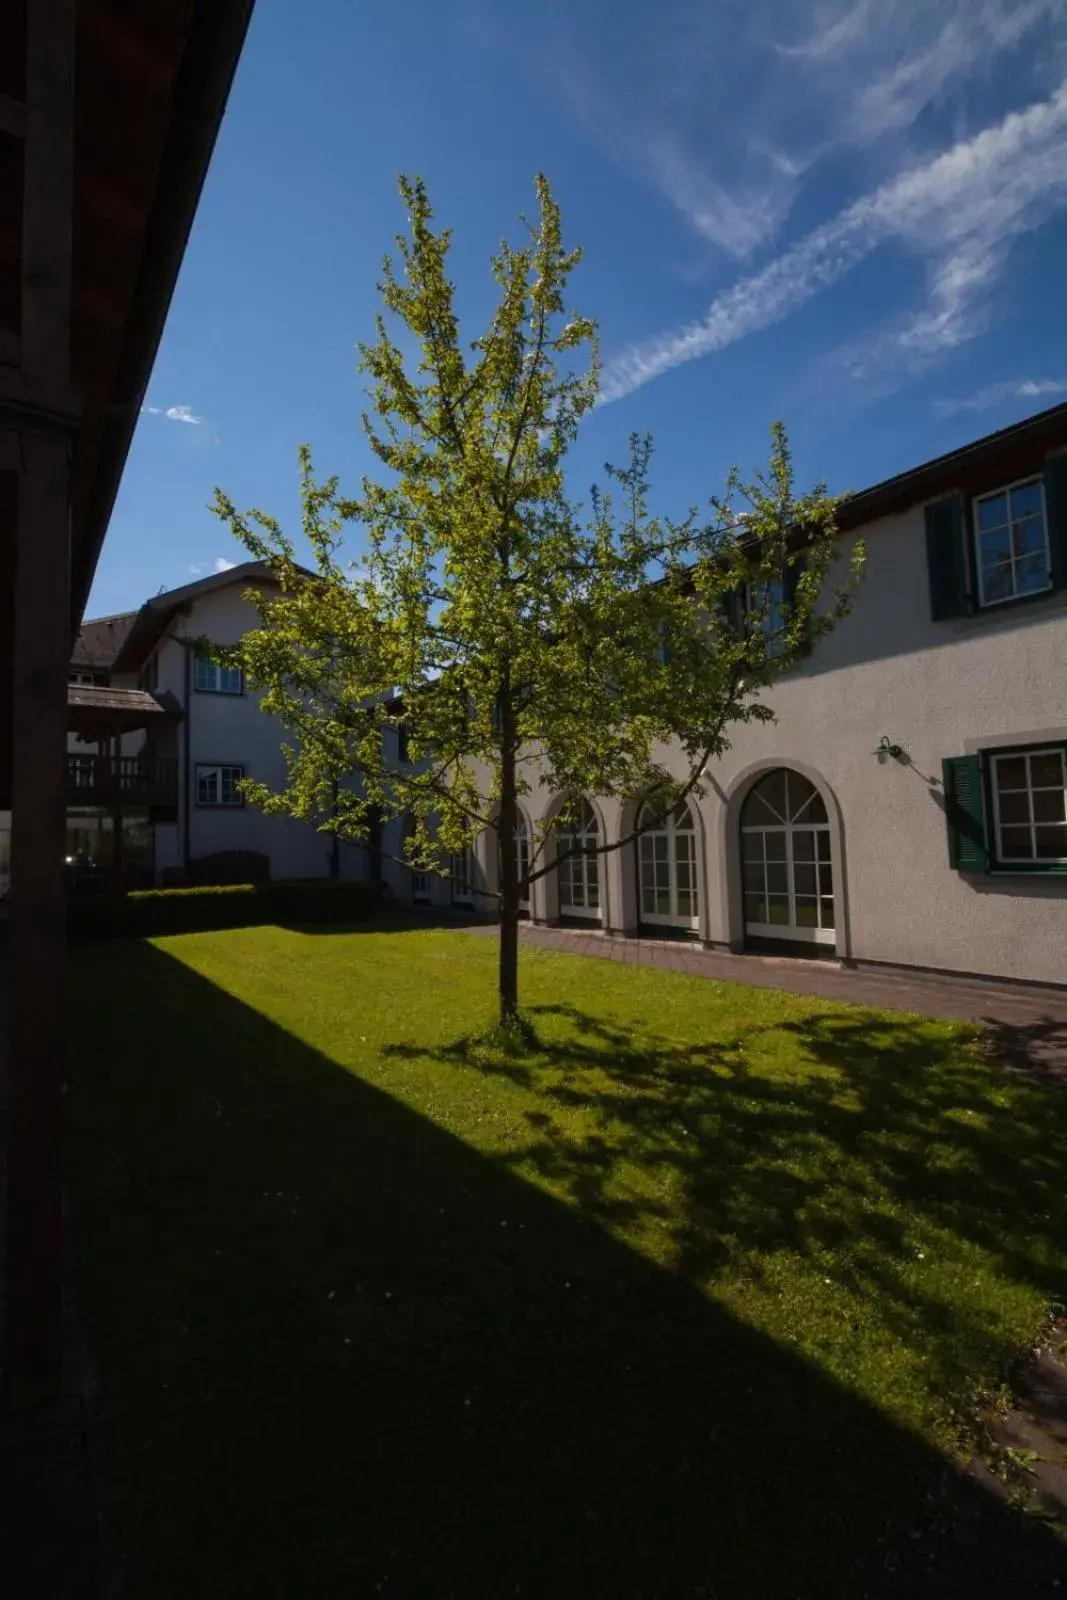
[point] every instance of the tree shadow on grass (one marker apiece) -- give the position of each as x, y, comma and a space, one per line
341, 1353
887, 1136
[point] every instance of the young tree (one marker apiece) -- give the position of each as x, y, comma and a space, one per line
511, 633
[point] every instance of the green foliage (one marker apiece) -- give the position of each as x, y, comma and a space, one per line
149, 913
515, 633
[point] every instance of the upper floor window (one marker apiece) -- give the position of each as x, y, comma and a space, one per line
769, 601
99, 680
1008, 544
218, 786
210, 678
1011, 543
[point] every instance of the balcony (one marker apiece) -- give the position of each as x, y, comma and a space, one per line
122, 781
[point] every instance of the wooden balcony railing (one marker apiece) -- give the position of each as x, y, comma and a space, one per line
121, 781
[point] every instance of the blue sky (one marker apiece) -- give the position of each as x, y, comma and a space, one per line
851, 215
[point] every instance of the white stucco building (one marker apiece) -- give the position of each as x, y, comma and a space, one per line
908, 805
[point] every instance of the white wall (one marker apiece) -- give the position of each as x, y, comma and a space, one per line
937, 689
232, 730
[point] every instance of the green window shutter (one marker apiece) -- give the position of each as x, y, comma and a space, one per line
733, 602
967, 850
946, 558
794, 568
1056, 514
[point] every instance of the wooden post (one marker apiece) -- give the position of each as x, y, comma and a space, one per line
33, 1356
34, 1342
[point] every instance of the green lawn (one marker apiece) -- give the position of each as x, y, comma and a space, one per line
695, 1299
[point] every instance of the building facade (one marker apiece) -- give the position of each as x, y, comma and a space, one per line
908, 805
197, 728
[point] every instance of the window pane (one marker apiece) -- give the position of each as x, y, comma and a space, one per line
230, 680
687, 905
1026, 501
1028, 537
207, 788
751, 847
778, 909
1031, 574
804, 846
755, 909
1049, 805
1046, 771
992, 513
826, 878
777, 878
683, 817
816, 812
659, 841
1011, 772
774, 846
756, 813
801, 793
807, 912
826, 913
205, 674
771, 790
1015, 844
592, 897
663, 903
753, 875
1014, 808
998, 583
995, 547
804, 877
1052, 843
682, 874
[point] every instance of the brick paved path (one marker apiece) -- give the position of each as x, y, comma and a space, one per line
1028, 1027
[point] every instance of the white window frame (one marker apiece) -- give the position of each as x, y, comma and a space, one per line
791, 932
584, 867
773, 621
995, 758
1006, 489
218, 768
522, 857
203, 669
669, 828
461, 873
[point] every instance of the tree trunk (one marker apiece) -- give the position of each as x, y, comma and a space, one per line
508, 979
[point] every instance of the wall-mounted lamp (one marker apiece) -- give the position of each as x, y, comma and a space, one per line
886, 747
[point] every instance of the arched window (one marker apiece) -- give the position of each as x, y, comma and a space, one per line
522, 860
461, 872
667, 866
786, 860
579, 874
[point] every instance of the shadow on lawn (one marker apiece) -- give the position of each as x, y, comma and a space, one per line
343, 1354
749, 1163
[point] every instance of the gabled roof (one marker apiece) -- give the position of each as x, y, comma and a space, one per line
99, 642
151, 622
1009, 453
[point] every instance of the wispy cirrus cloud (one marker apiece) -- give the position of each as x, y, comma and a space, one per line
961, 211
727, 110
998, 394
175, 414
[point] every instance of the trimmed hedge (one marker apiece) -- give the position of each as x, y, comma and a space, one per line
147, 913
